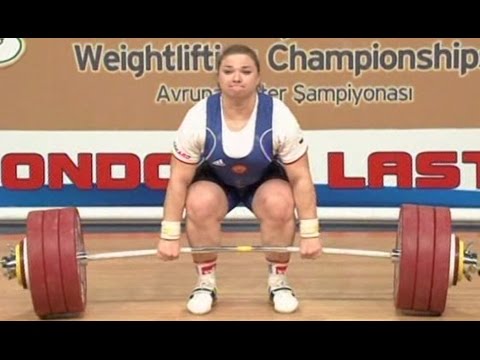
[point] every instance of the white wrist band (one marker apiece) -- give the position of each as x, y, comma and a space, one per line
171, 230
309, 228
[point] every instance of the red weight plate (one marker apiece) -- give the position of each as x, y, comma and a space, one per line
441, 265
36, 267
405, 268
74, 274
52, 262
425, 258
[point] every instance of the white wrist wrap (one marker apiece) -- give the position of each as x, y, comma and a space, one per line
171, 230
309, 228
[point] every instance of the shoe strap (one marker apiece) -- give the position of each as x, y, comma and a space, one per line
212, 292
273, 291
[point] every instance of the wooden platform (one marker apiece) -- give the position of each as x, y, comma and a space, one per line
330, 288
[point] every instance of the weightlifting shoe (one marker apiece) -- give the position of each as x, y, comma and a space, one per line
203, 297
281, 294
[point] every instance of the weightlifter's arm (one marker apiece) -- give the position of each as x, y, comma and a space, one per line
306, 203
181, 175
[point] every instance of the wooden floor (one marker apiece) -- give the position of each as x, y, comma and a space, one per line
330, 288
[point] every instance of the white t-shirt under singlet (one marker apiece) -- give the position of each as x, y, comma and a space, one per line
288, 142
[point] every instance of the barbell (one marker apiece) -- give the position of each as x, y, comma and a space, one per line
51, 260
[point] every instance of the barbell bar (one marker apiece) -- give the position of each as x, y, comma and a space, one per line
51, 260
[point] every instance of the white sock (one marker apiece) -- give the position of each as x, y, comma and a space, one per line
206, 268
277, 268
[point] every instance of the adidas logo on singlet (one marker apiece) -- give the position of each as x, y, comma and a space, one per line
219, 162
